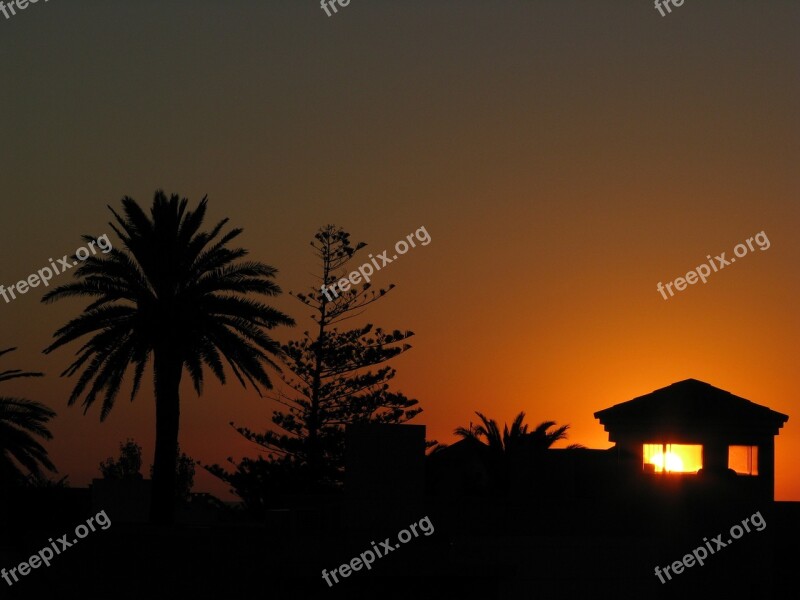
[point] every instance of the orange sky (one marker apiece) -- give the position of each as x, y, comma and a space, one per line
565, 157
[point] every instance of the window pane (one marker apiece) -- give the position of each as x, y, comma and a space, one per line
672, 458
651, 450
743, 459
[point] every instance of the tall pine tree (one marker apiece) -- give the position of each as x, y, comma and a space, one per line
334, 377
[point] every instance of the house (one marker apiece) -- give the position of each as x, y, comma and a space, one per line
692, 435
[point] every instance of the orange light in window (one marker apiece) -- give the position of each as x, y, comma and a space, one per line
673, 458
743, 459
673, 462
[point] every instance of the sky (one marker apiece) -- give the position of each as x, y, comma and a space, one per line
564, 156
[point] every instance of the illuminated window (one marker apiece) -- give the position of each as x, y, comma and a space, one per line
672, 458
743, 459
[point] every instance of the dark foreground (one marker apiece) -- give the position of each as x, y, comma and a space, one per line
480, 549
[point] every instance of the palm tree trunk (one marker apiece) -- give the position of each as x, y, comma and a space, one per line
167, 368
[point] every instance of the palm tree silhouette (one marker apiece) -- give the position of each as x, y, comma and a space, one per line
515, 438
516, 448
20, 422
175, 292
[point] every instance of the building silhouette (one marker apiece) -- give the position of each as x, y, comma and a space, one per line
693, 436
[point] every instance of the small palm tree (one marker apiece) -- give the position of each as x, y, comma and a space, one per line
21, 421
176, 293
516, 448
517, 437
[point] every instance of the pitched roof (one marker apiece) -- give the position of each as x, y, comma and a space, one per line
691, 403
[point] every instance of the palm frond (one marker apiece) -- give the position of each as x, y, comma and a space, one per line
21, 422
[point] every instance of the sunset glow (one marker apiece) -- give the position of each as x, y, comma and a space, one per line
376, 299
572, 210
673, 462
680, 458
